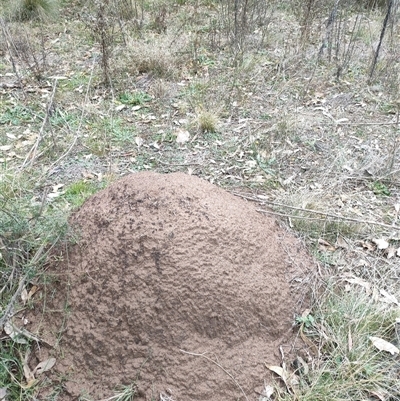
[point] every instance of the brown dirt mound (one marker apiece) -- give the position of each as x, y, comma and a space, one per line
167, 266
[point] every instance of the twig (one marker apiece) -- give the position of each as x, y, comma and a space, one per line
385, 22
331, 215
8, 312
215, 363
33, 151
179, 165
360, 123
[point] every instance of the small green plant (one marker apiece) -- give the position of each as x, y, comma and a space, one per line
134, 99
307, 321
16, 115
378, 188
79, 191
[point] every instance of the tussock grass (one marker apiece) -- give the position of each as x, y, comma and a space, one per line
207, 121
33, 9
153, 56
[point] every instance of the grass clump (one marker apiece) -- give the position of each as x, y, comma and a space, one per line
25, 10
348, 366
207, 121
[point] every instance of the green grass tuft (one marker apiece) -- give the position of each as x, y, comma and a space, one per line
79, 191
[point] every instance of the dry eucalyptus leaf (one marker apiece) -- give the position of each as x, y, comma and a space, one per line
120, 107
266, 393
3, 393
139, 141
29, 375
380, 243
24, 295
44, 366
361, 282
390, 252
279, 371
380, 395
325, 245
384, 345
341, 243
350, 340
182, 136
14, 334
289, 379
388, 298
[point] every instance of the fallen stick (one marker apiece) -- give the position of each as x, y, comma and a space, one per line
215, 363
331, 215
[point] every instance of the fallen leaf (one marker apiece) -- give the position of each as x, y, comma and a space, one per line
289, 379
139, 141
120, 107
34, 289
266, 393
384, 345
29, 375
182, 136
390, 252
388, 298
350, 341
368, 246
303, 365
4, 148
44, 366
380, 243
325, 245
14, 334
341, 243
24, 295
359, 281
381, 395
3, 393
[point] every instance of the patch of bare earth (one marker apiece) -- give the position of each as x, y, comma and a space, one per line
176, 285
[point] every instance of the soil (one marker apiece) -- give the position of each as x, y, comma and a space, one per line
176, 285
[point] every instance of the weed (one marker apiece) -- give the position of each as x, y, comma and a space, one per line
16, 115
379, 188
134, 99
79, 191
307, 320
